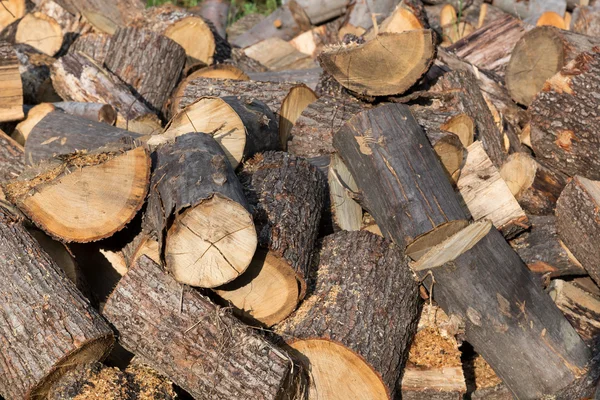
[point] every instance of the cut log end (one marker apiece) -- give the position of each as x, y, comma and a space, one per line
219, 71
40, 32
424, 243
462, 126
10, 11
196, 38
298, 98
267, 292
550, 18
518, 173
212, 243
337, 373
360, 68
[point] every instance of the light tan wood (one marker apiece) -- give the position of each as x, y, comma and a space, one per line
462, 126
448, 15
40, 32
525, 136
209, 115
35, 115
486, 194
347, 213
389, 64
11, 87
189, 32
337, 373
276, 54
219, 71
550, 18
221, 232
267, 292
567, 20
452, 29
579, 305
103, 193
400, 20
305, 42
10, 11
297, 99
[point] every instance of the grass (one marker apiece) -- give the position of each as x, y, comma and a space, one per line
238, 9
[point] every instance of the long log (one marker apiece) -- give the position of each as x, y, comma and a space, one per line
508, 318
105, 16
152, 73
387, 152
194, 343
95, 45
49, 327
361, 317
563, 118
11, 99
198, 212
320, 11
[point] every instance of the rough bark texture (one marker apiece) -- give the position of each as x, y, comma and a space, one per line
60, 133
95, 45
365, 298
398, 173
12, 159
544, 252
490, 47
286, 196
105, 15
586, 20
508, 318
563, 119
77, 77
310, 77
363, 10
34, 67
577, 216
46, 319
312, 134
193, 342
581, 307
152, 72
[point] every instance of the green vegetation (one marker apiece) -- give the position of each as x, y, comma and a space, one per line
239, 8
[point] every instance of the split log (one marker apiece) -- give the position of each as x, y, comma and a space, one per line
95, 211
312, 133
215, 355
286, 196
319, 11
241, 126
346, 213
41, 32
361, 317
105, 16
217, 12
96, 381
277, 55
287, 100
490, 47
34, 67
544, 252
152, 73
563, 118
577, 221
530, 11
210, 237
387, 152
586, 20
285, 23
197, 36
407, 56
11, 99
581, 308
94, 45
50, 327
58, 133
535, 187
538, 55
76, 77
310, 77
548, 351
11, 11
486, 194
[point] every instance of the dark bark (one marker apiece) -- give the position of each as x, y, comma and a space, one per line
365, 298
94, 45
34, 67
399, 175
310, 77
61, 133
194, 343
543, 251
12, 159
564, 119
508, 318
286, 195
148, 62
48, 326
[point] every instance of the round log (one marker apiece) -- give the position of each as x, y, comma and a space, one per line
11, 11
550, 18
41, 32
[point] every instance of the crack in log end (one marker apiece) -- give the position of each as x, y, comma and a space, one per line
564, 139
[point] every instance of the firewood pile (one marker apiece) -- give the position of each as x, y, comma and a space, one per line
340, 200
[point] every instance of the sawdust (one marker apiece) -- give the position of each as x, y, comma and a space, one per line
152, 385
431, 350
485, 377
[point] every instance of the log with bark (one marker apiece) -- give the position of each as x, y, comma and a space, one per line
544, 252
76, 77
218, 71
279, 55
12, 160
310, 77
487, 196
538, 55
11, 99
105, 15
438, 116
319, 11
198, 212
387, 152
241, 126
95, 45
359, 67
361, 318
197, 36
152, 73
72, 25
34, 67
193, 342
50, 328
586, 20
508, 318
215, 11
104, 190
346, 213
563, 115
577, 222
